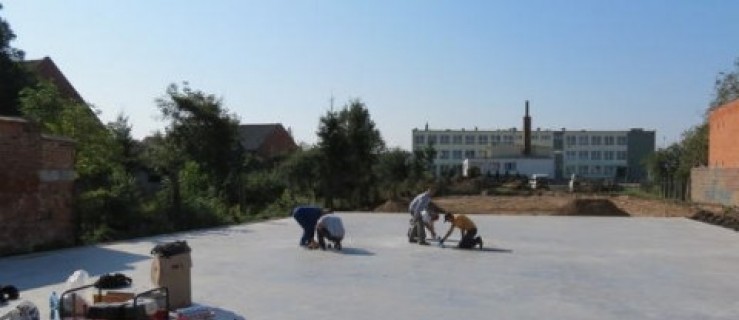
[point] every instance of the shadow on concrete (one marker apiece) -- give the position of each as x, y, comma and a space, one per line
356, 252
54, 267
485, 249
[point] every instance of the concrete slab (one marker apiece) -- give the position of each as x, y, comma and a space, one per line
549, 268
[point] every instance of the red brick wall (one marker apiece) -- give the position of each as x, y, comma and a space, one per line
279, 142
723, 150
36, 188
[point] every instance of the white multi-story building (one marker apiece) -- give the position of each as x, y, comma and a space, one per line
560, 153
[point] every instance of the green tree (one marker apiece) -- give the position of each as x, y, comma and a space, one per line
204, 130
120, 129
365, 145
334, 168
167, 158
13, 75
96, 150
349, 144
301, 171
393, 170
726, 87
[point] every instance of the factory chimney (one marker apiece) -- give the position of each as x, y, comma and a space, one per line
527, 132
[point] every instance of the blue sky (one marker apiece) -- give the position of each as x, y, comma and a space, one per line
594, 65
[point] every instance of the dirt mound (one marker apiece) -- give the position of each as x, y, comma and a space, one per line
402, 206
591, 207
727, 220
393, 206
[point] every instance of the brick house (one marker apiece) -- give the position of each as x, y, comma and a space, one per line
46, 69
266, 140
719, 182
36, 188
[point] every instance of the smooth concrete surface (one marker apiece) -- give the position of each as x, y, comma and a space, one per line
541, 268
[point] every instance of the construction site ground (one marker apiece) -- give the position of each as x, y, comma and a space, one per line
533, 267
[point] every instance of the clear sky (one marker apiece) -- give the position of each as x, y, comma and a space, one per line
594, 65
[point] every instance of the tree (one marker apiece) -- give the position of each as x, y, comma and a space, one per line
349, 144
120, 129
13, 75
168, 159
393, 169
300, 171
726, 87
365, 145
203, 129
334, 166
96, 150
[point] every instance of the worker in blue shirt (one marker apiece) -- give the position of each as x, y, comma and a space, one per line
307, 217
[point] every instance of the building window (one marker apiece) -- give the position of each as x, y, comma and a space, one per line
569, 170
483, 154
469, 154
571, 140
608, 155
535, 137
469, 139
609, 171
621, 155
583, 141
496, 138
597, 170
457, 139
608, 140
546, 137
444, 154
444, 139
457, 154
432, 139
621, 140
582, 170
419, 139
482, 140
595, 140
594, 155
583, 155
570, 155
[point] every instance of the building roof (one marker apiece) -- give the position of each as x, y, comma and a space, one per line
47, 70
253, 135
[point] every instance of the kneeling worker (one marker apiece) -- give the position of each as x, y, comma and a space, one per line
467, 228
330, 226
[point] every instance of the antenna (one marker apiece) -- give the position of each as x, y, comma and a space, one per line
331, 101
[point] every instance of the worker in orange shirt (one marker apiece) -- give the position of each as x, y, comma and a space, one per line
467, 228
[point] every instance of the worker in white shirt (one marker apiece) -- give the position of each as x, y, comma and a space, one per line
329, 226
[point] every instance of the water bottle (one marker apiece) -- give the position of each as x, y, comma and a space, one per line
54, 306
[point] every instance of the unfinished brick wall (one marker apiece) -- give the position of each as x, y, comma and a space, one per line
36, 188
715, 185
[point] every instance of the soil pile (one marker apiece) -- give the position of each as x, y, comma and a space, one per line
402, 206
728, 220
393, 206
591, 207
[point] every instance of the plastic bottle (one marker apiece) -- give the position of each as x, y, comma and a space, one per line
54, 306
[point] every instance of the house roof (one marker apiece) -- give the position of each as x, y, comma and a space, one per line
253, 135
48, 70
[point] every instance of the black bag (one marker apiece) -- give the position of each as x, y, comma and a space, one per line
9, 293
170, 249
113, 281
